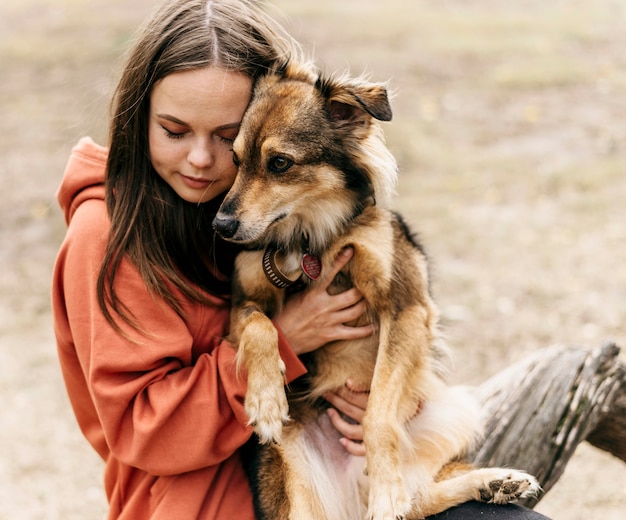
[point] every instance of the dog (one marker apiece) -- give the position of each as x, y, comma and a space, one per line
314, 176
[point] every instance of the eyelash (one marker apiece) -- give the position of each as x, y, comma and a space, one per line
173, 135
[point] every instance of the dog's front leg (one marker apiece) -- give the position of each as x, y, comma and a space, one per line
389, 497
266, 400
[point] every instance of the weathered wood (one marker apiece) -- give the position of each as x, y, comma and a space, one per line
610, 434
537, 411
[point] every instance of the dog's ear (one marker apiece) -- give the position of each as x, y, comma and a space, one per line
374, 99
352, 105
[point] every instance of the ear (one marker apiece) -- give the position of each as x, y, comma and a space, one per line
354, 105
374, 99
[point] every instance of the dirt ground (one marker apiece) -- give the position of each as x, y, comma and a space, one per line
510, 130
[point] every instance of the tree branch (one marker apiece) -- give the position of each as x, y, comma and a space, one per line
539, 410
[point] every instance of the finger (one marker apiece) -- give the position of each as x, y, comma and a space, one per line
357, 399
351, 431
353, 448
349, 298
342, 259
351, 313
354, 411
346, 332
345, 300
353, 387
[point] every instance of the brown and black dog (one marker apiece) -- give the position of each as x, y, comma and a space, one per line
315, 177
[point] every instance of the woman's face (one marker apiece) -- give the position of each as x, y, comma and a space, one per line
194, 119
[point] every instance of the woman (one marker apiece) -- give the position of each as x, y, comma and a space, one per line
141, 283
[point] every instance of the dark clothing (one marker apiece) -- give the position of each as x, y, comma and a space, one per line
478, 510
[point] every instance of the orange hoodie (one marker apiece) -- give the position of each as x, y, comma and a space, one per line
164, 411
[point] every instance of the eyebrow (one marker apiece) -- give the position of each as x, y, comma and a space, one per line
177, 121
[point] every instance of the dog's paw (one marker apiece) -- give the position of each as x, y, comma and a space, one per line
266, 404
501, 486
388, 502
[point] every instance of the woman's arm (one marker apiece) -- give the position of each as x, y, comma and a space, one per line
168, 400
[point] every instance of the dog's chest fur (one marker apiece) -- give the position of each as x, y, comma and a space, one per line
386, 257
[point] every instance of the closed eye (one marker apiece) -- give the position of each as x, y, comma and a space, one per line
173, 135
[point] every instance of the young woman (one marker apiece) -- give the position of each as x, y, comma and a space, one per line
141, 283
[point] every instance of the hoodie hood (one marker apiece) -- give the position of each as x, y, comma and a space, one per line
84, 176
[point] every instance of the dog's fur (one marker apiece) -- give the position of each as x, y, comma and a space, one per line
315, 177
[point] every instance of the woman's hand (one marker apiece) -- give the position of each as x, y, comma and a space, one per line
313, 317
346, 415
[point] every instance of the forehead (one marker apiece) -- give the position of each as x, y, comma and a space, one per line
210, 92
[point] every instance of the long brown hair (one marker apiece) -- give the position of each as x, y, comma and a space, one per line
167, 239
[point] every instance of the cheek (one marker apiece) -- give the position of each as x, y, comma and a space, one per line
164, 152
231, 174
156, 149
228, 168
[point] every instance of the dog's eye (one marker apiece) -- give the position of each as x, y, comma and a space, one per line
279, 164
235, 159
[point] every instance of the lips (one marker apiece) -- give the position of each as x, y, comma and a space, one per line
196, 182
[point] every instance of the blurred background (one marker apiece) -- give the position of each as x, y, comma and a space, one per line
510, 130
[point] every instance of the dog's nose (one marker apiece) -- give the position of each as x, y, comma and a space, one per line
225, 225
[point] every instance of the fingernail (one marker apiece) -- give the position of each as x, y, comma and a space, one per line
347, 251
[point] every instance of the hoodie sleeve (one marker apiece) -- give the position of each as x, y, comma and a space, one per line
84, 176
167, 400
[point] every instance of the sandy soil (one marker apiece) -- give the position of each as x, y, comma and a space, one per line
510, 131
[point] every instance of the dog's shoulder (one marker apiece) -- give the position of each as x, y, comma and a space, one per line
379, 221
404, 232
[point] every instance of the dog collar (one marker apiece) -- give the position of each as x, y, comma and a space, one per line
310, 265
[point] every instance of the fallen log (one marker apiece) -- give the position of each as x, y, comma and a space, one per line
538, 410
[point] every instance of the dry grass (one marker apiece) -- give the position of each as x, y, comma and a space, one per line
509, 128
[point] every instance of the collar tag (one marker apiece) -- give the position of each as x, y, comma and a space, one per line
311, 266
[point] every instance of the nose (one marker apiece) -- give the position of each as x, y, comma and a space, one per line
225, 225
200, 156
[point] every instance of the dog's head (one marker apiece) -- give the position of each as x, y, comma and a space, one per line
310, 158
